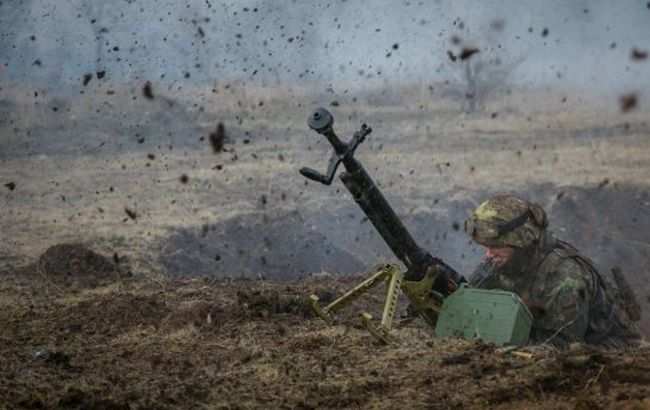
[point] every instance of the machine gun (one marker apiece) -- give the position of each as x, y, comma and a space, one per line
427, 280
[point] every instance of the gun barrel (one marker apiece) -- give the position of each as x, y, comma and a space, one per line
368, 196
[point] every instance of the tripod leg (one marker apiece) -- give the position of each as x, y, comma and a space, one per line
394, 286
326, 312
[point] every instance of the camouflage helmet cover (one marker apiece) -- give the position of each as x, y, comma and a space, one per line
506, 220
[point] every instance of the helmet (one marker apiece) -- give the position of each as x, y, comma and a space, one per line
505, 220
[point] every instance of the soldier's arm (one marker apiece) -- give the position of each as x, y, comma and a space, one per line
566, 296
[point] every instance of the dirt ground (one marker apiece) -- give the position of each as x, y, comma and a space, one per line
209, 256
139, 177
125, 340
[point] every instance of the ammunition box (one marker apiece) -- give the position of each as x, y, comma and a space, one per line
493, 315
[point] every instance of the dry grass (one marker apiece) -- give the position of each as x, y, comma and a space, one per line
534, 144
148, 342
139, 346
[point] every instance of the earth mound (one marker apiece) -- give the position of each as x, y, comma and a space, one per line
69, 264
279, 245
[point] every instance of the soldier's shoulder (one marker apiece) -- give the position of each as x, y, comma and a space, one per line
561, 261
562, 269
563, 273
568, 266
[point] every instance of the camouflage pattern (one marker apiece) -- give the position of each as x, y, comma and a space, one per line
569, 299
483, 225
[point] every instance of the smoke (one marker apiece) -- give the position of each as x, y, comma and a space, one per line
343, 44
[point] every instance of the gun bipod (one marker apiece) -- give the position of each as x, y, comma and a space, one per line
385, 272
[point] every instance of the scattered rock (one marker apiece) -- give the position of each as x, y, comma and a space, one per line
87, 78
467, 52
628, 102
131, 213
638, 54
217, 138
41, 353
147, 90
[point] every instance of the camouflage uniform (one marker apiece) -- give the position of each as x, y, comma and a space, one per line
570, 301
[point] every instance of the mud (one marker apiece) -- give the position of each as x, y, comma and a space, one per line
249, 343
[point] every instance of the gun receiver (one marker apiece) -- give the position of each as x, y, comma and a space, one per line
419, 263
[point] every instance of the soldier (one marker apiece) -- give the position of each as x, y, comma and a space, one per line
570, 301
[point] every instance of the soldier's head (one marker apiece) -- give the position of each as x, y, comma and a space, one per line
506, 225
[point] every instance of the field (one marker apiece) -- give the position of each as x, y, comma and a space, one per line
210, 255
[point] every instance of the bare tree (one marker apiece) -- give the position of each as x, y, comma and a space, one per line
482, 67
96, 13
483, 76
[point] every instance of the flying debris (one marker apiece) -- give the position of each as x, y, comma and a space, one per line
628, 102
217, 138
131, 213
147, 91
467, 52
638, 55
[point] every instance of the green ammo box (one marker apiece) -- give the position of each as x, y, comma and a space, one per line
493, 315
